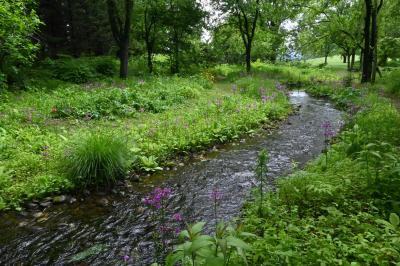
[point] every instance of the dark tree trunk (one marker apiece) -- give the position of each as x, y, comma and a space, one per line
248, 57
175, 56
326, 59
367, 61
247, 30
348, 62
121, 32
361, 59
124, 60
150, 60
344, 58
353, 59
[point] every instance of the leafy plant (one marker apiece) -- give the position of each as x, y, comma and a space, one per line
149, 164
199, 249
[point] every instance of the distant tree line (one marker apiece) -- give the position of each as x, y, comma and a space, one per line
245, 30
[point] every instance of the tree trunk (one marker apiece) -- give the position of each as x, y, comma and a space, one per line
353, 59
150, 60
124, 60
344, 58
367, 61
248, 57
326, 59
348, 62
373, 42
121, 32
361, 60
175, 55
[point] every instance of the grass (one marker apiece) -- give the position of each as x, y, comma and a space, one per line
157, 117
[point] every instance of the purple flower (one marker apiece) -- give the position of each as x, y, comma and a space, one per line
262, 91
141, 110
264, 98
328, 131
177, 217
156, 197
126, 258
216, 194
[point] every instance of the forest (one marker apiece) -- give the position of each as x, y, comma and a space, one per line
199, 132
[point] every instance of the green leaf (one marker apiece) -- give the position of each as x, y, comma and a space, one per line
197, 228
214, 261
172, 259
201, 242
394, 219
236, 242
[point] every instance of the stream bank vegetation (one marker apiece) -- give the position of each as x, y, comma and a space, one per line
344, 210
92, 92
82, 136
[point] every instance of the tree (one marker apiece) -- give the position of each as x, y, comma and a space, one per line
183, 19
372, 8
151, 14
245, 15
18, 23
121, 30
389, 32
273, 15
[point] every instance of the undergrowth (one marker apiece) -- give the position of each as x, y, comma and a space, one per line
343, 213
158, 118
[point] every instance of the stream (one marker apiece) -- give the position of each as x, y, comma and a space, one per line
118, 224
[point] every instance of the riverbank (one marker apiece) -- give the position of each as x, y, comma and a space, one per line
155, 119
343, 208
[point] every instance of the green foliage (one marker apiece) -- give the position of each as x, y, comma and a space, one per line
393, 82
227, 246
80, 70
18, 22
156, 95
179, 116
343, 97
105, 66
344, 214
96, 159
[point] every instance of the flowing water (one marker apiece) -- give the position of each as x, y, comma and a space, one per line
124, 226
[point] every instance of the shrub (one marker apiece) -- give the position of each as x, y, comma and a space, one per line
72, 71
96, 159
105, 66
393, 82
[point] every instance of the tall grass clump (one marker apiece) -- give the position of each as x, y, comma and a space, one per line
96, 159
